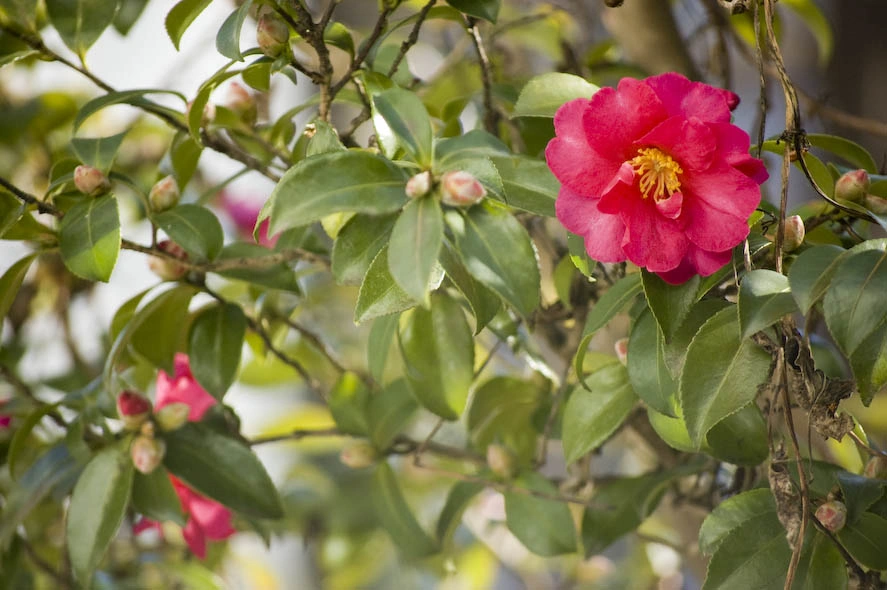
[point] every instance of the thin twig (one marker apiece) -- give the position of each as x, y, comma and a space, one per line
295, 435
412, 39
325, 350
490, 116
367, 46
30, 199
417, 455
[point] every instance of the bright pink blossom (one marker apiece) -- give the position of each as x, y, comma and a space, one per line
654, 172
183, 388
244, 213
207, 519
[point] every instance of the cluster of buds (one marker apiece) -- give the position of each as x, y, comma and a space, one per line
457, 188
854, 187
272, 33
91, 181
166, 269
135, 410
164, 194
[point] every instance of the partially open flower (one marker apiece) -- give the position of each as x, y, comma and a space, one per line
358, 454
91, 181
133, 409
166, 269
272, 34
419, 185
164, 194
461, 189
147, 453
832, 515
852, 186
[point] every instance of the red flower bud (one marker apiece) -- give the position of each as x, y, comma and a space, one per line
358, 454
272, 34
794, 233
172, 416
832, 515
876, 468
164, 194
852, 186
133, 409
167, 269
461, 189
419, 185
621, 348
90, 181
501, 461
240, 102
147, 453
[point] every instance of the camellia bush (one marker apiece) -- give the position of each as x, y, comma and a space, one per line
538, 304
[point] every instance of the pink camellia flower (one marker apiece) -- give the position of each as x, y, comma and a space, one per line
5, 421
244, 213
182, 388
207, 519
653, 172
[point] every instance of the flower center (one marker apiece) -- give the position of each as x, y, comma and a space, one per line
658, 173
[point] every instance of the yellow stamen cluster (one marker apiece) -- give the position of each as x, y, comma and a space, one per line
658, 173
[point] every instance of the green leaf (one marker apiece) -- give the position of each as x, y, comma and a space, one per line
131, 97
22, 13
528, 183
731, 513
89, 238
869, 364
223, 469
670, 304
484, 303
485, 9
647, 370
855, 305
348, 401
379, 344
543, 95
754, 554
379, 295
821, 566
497, 251
357, 244
819, 26
721, 374
184, 155
851, 151
154, 496
866, 539
764, 298
81, 22
11, 282
740, 438
215, 342
181, 16
502, 411
127, 15
277, 276
338, 35
592, 415
157, 330
415, 243
97, 508
392, 511
325, 140
228, 37
194, 228
98, 152
457, 501
859, 493
544, 526
476, 143
811, 274
388, 413
257, 75
332, 183
438, 353
406, 117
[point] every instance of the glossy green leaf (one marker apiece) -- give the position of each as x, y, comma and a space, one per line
502, 411
406, 117
97, 508
181, 16
357, 244
484, 303
476, 143
544, 526
223, 469
528, 184
21, 12
676, 350
379, 295
81, 22
458, 498
485, 9
228, 37
740, 438
184, 155
648, 372
331, 183
131, 97
819, 26
866, 539
89, 238
194, 228
389, 412
379, 344
348, 401
859, 493
438, 353
214, 346
670, 304
821, 566
158, 330
754, 554
543, 95
415, 243
869, 364
127, 15
731, 513
392, 511
154, 496
497, 251
855, 305
98, 152
721, 374
257, 75
764, 298
592, 415
673, 431
851, 151
811, 274
338, 35
11, 282
276, 276
325, 140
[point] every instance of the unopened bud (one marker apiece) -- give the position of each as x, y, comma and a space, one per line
794, 233
133, 409
461, 189
832, 515
876, 468
272, 34
419, 185
166, 269
147, 453
172, 416
209, 112
90, 181
621, 348
358, 454
875, 204
164, 194
240, 102
501, 461
852, 186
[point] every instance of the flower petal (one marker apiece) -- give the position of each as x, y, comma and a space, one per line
717, 204
184, 389
571, 159
195, 538
213, 518
651, 240
603, 233
617, 117
707, 262
733, 146
687, 140
687, 98
672, 206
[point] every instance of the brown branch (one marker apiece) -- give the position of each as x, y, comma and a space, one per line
42, 206
367, 46
325, 350
412, 39
491, 118
294, 436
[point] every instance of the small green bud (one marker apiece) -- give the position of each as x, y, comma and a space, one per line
164, 194
172, 416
